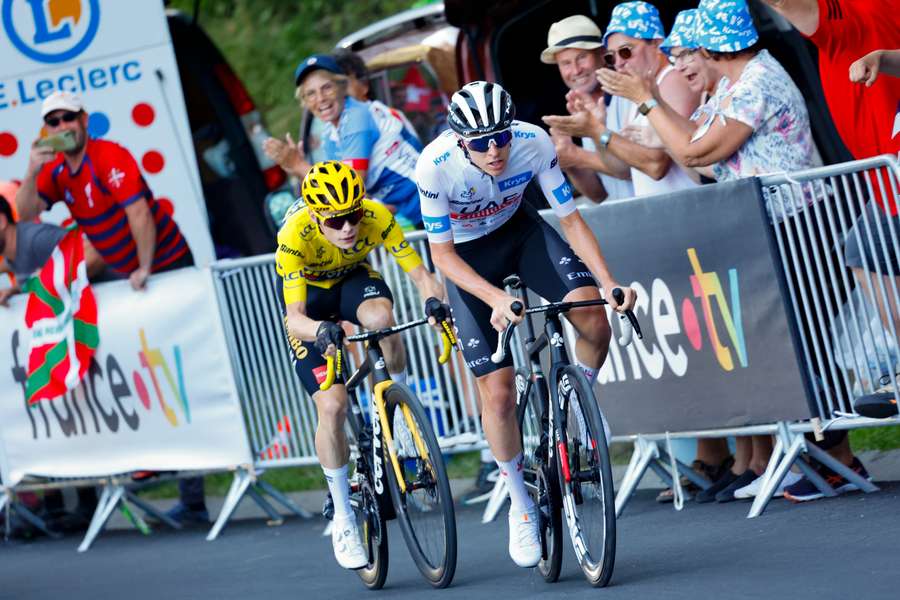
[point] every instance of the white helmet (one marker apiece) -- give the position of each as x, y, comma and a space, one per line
480, 108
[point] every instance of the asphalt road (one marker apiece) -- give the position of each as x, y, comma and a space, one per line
845, 547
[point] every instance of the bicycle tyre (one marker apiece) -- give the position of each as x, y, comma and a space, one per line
373, 531
540, 477
438, 563
590, 482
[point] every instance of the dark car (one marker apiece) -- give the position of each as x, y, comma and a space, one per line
238, 180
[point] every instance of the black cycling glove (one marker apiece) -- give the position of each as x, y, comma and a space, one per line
328, 333
437, 309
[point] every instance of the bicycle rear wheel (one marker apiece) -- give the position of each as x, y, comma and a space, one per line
541, 478
425, 510
586, 479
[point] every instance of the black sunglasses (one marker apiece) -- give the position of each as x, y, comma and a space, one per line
338, 222
624, 53
66, 117
483, 143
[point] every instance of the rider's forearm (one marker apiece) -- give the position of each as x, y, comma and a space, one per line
426, 283
299, 325
586, 247
460, 273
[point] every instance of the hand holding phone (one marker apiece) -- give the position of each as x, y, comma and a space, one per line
60, 142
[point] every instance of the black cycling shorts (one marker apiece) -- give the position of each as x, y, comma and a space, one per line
527, 246
337, 303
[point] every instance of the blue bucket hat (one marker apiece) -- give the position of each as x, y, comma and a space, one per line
683, 34
725, 26
315, 62
635, 19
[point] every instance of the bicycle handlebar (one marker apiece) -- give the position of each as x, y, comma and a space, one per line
629, 322
333, 363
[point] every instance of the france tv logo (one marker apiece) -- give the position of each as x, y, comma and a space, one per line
51, 31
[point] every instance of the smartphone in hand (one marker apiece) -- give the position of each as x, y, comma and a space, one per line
61, 142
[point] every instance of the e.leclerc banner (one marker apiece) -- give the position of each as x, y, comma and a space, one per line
717, 348
159, 393
117, 55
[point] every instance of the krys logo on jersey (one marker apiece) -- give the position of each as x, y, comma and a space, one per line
51, 32
719, 301
105, 399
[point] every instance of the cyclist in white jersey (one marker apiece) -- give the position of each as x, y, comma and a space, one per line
471, 181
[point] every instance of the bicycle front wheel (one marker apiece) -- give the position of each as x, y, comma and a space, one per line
586, 479
425, 507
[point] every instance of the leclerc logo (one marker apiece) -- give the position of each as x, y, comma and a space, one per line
51, 31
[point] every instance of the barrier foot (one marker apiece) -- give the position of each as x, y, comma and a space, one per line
109, 499
686, 471
151, 510
644, 452
657, 466
38, 523
496, 501
239, 485
779, 464
841, 469
275, 519
281, 498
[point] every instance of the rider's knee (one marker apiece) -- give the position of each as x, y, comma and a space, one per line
332, 408
592, 325
499, 400
375, 313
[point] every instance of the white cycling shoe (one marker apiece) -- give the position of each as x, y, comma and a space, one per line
348, 550
524, 537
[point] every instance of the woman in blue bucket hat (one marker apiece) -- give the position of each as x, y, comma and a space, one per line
755, 122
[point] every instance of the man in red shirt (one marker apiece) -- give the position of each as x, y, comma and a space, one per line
865, 117
106, 194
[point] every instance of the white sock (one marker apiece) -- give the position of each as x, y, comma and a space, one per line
487, 456
591, 375
511, 470
339, 486
589, 372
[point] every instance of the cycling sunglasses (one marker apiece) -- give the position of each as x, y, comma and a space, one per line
66, 117
338, 222
481, 144
624, 53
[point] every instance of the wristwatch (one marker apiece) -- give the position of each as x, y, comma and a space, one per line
604, 138
647, 106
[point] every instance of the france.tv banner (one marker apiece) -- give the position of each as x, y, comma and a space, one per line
117, 56
718, 349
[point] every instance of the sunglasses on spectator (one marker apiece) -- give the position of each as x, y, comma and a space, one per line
338, 222
66, 117
624, 53
685, 57
481, 144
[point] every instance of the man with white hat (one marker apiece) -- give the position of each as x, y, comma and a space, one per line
632, 41
575, 46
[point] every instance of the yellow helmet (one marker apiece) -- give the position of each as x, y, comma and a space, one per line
334, 187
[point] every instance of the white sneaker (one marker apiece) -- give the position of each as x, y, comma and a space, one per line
524, 537
348, 550
752, 489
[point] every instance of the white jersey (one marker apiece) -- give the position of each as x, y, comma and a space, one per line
460, 202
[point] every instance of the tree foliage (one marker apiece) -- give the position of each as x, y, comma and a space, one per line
264, 40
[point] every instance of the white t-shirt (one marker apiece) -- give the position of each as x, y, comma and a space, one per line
676, 178
460, 202
616, 119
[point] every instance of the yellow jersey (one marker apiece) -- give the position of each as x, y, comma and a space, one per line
304, 257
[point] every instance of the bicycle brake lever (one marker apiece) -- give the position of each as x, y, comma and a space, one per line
506, 335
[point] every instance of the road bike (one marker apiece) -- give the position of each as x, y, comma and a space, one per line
567, 467
400, 472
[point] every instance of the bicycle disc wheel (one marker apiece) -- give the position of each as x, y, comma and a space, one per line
373, 532
425, 509
540, 478
586, 479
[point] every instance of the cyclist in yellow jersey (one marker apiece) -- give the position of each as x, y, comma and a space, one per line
323, 277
